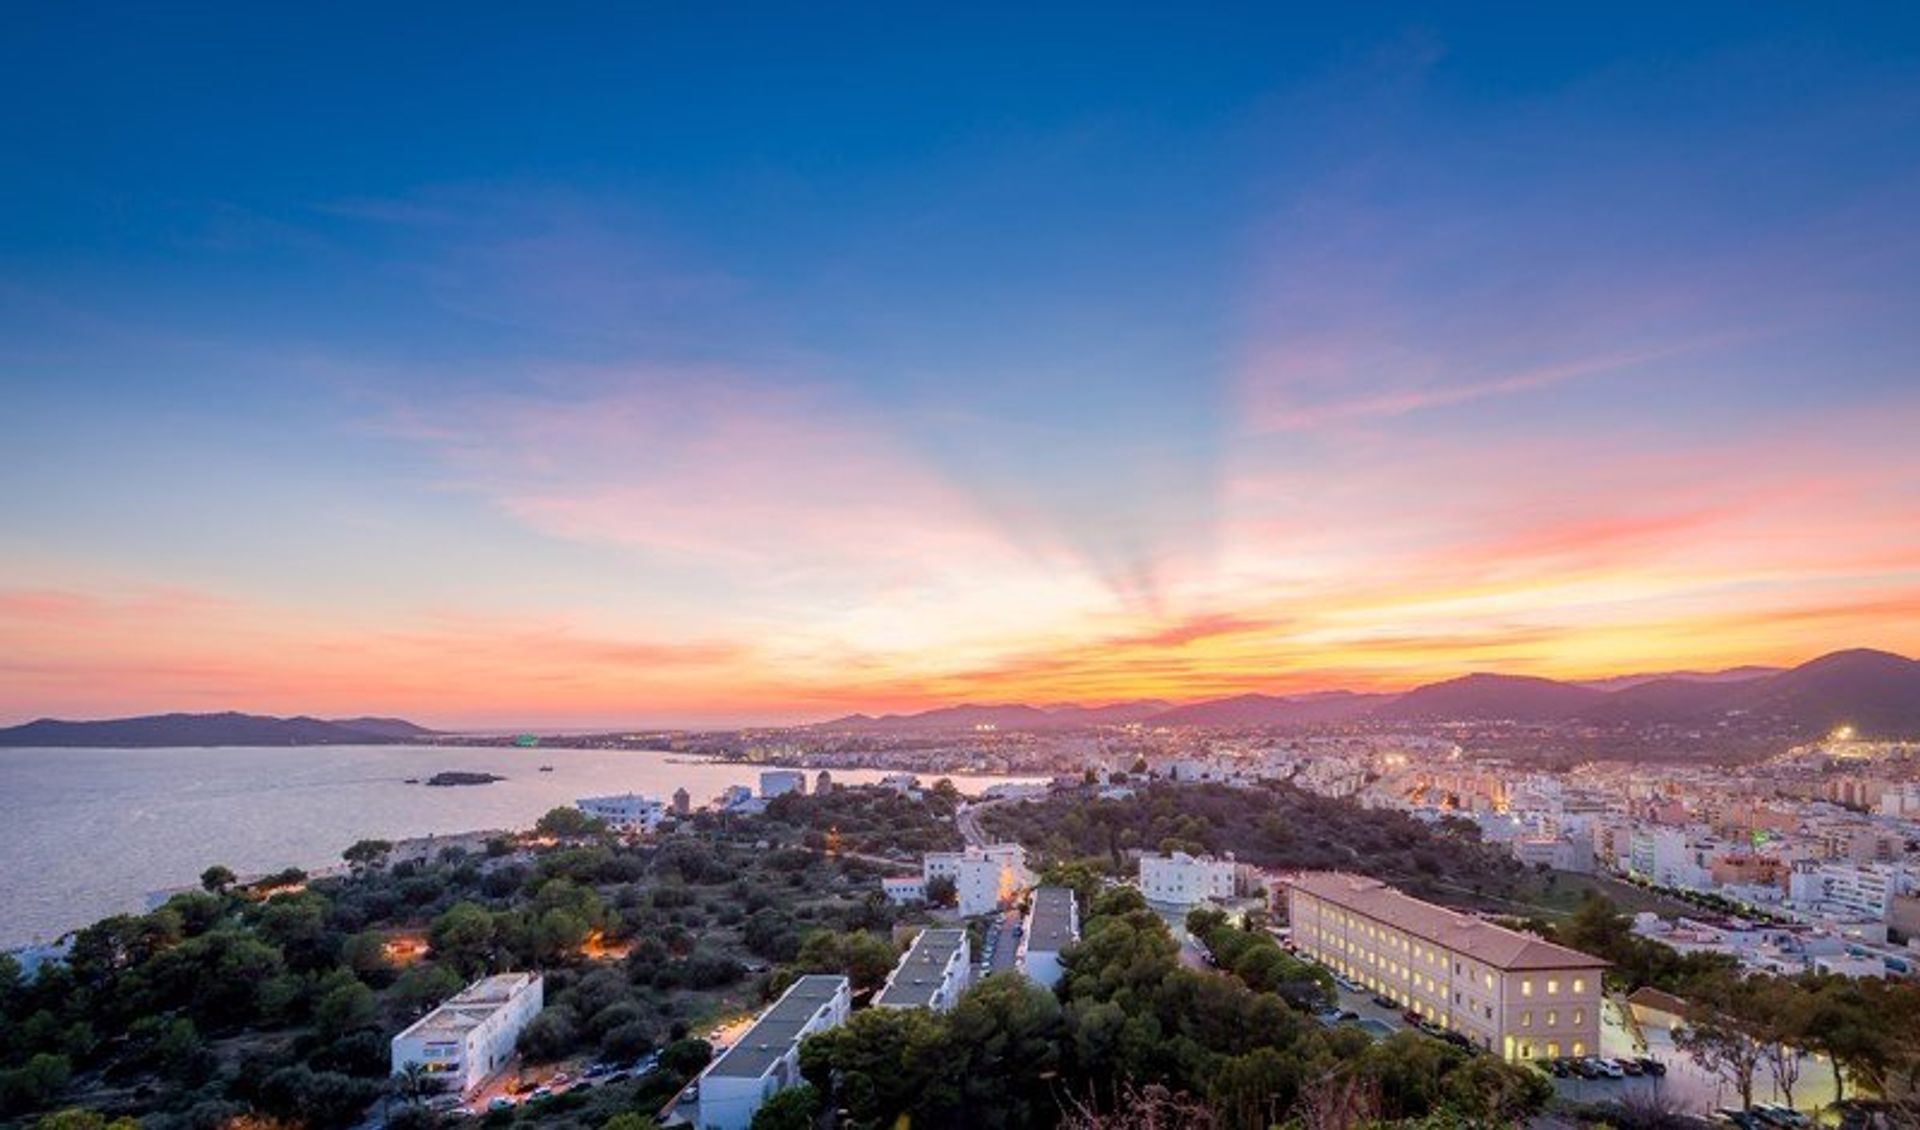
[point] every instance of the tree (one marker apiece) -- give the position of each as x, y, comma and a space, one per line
80, 1118
463, 935
793, 1108
865, 958
630, 1120
567, 823
367, 853
1718, 1043
342, 1004
941, 891
218, 879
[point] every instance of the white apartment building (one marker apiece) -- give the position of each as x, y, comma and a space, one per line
1510, 993
1669, 857
1053, 924
471, 1035
1185, 880
933, 972
780, 782
984, 879
1856, 890
767, 1058
627, 812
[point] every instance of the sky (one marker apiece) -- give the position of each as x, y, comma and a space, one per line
694, 365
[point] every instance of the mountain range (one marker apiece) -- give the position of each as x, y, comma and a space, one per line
1875, 692
226, 729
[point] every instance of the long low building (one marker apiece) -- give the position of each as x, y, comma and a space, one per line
471, 1035
1053, 924
626, 812
933, 972
1510, 993
767, 1058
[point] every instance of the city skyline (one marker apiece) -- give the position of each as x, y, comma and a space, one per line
644, 370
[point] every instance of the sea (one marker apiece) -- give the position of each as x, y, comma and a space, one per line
85, 833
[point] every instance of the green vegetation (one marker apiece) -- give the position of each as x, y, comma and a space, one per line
277, 999
1128, 1020
1272, 825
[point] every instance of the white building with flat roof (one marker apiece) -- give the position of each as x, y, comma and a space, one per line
471, 1035
933, 972
627, 812
1513, 994
984, 879
780, 782
766, 1059
1053, 924
1180, 879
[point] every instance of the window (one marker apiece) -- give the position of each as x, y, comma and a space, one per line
1489, 980
1526, 1049
1526, 986
1553, 1049
1526, 1020
1579, 985
1579, 1016
1579, 1047
1553, 1019
1553, 987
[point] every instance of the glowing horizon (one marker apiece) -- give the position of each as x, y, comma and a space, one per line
1283, 356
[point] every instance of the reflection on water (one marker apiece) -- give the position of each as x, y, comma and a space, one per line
89, 832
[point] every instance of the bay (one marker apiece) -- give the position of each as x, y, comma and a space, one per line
85, 833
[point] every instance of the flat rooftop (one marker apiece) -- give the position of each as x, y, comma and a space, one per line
923, 970
778, 1028
471, 1006
1449, 929
1051, 924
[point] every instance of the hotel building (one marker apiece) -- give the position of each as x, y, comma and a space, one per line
767, 1058
471, 1035
1510, 993
627, 812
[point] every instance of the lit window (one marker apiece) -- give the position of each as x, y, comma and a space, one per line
1579, 1016
1526, 986
1579, 985
1526, 1020
1489, 980
1553, 1019
1579, 1047
1553, 988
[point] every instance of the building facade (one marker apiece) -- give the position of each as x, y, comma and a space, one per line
1510, 993
1180, 879
780, 782
627, 812
984, 879
766, 1059
471, 1035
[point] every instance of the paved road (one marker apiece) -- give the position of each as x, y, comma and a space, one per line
1006, 943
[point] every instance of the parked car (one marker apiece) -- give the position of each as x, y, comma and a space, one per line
1588, 1068
1349, 1014
1739, 1118
1781, 1115
500, 1102
1612, 1069
1385, 1001
1631, 1066
1652, 1066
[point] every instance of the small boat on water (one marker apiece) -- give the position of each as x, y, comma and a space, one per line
546, 769
413, 780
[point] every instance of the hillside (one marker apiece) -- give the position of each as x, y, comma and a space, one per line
226, 729
1482, 697
1272, 710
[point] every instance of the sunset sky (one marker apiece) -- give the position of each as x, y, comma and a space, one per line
507, 365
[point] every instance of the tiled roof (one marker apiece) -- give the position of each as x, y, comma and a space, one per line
1462, 933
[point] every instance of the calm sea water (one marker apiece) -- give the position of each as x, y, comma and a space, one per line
89, 832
